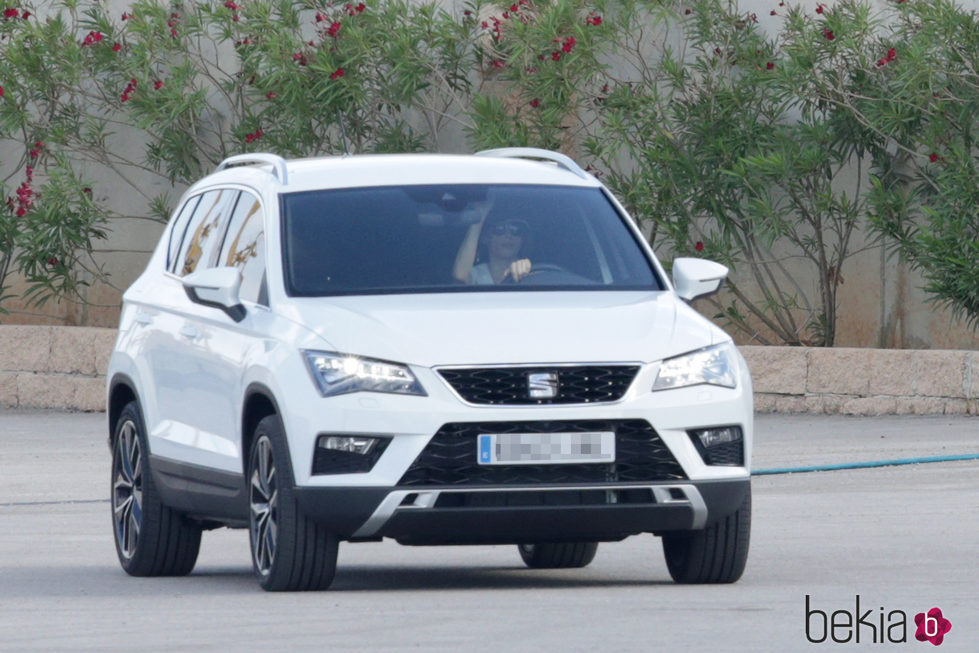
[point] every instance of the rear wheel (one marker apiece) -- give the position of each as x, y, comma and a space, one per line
558, 555
151, 539
716, 554
290, 552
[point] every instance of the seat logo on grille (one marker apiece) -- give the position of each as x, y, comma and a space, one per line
542, 385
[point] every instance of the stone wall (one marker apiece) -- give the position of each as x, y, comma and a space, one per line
864, 381
64, 368
54, 367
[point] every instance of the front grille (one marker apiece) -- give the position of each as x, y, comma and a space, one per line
579, 384
450, 457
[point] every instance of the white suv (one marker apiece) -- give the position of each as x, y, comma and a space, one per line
436, 349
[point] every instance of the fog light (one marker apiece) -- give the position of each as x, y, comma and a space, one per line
713, 437
722, 445
361, 444
348, 454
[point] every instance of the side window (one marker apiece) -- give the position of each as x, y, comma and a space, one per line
179, 228
244, 248
204, 231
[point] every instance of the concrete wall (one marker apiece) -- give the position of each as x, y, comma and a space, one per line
64, 368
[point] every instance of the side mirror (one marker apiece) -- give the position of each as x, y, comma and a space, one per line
217, 288
695, 277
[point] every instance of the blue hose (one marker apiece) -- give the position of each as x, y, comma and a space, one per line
863, 465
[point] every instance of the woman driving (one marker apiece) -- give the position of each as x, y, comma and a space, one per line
502, 240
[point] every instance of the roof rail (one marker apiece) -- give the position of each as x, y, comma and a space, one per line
277, 162
562, 160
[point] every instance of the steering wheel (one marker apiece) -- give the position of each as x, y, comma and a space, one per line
539, 268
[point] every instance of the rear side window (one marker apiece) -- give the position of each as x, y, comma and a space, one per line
204, 232
179, 229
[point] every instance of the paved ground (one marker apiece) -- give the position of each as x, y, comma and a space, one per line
902, 538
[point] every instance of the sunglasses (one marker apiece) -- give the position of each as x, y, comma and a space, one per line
512, 227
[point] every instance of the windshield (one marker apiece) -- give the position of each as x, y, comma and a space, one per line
458, 238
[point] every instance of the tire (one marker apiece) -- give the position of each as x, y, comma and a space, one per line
716, 554
290, 552
558, 555
151, 539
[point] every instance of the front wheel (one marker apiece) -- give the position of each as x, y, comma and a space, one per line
151, 539
290, 552
716, 554
558, 555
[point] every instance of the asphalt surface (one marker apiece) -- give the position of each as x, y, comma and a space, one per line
903, 539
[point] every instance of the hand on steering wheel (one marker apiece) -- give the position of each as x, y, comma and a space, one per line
517, 270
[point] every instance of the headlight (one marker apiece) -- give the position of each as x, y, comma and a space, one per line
338, 374
714, 366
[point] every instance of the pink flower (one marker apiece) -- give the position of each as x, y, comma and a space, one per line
699, 246
158, 84
1, 91
933, 157
769, 65
333, 30
233, 6
271, 95
535, 103
828, 33
569, 44
337, 74
10, 12
116, 47
819, 9
92, 38
556, 56
594, 19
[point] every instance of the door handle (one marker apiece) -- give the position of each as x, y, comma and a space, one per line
189, 331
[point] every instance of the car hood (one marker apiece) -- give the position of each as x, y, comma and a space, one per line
506, 327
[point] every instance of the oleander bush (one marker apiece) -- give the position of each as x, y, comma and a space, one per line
766, 144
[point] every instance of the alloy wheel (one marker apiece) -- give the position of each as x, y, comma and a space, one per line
127, 489
263, 500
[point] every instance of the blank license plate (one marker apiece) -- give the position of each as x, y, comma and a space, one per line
553, 448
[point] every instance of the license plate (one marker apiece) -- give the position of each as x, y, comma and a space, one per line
550, 448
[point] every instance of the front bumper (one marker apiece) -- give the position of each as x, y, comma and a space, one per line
514, 515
